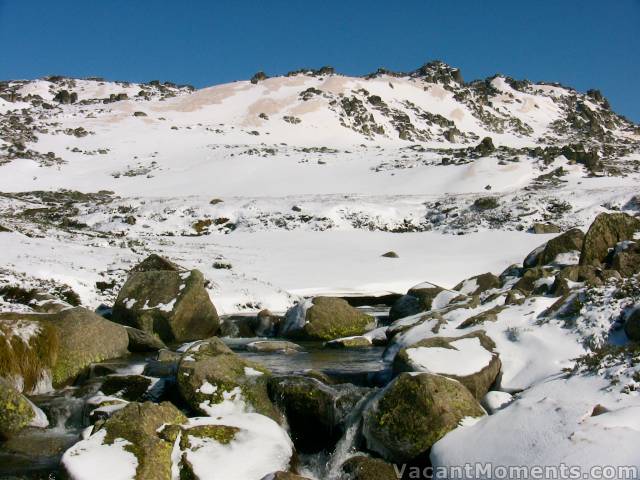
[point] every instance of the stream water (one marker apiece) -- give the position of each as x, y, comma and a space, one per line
35, 453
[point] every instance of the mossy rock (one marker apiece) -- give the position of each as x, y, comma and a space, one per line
174, 305
16, 412
222, 434
141, 341
413, 412
210, 373
350, 342
326, 318
478, 284
361, 467
142, 424
478, 382
605, 232
67, 343
271, 346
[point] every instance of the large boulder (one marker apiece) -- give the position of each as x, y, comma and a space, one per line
37, 350
212, 379
470, 359
315, 412
129, 444
605, 232
16, 412
418, 299
478, 284
413, 412
325, 318
174, 305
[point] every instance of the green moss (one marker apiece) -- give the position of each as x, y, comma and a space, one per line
220, 433
15, 410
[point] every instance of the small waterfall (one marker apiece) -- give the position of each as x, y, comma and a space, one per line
328, 467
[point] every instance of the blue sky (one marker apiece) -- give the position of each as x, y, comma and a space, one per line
581, 43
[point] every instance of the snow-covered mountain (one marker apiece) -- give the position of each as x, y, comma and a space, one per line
307, 152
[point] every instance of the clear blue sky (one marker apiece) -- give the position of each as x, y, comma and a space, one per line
581, 43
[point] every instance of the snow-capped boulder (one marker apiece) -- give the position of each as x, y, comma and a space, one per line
469, 359
16, 411
132, 444
325, 318
41, 350
361, 467
242, 446
495, 400
490, 315
173, 304
315, 412
413, 412
478, 284
212, 379
605, 232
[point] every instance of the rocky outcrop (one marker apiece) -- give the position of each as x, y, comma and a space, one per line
413, 412
470, 359
174, 305
605, 232
325, 318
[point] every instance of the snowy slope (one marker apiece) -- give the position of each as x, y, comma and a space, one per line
197, 174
